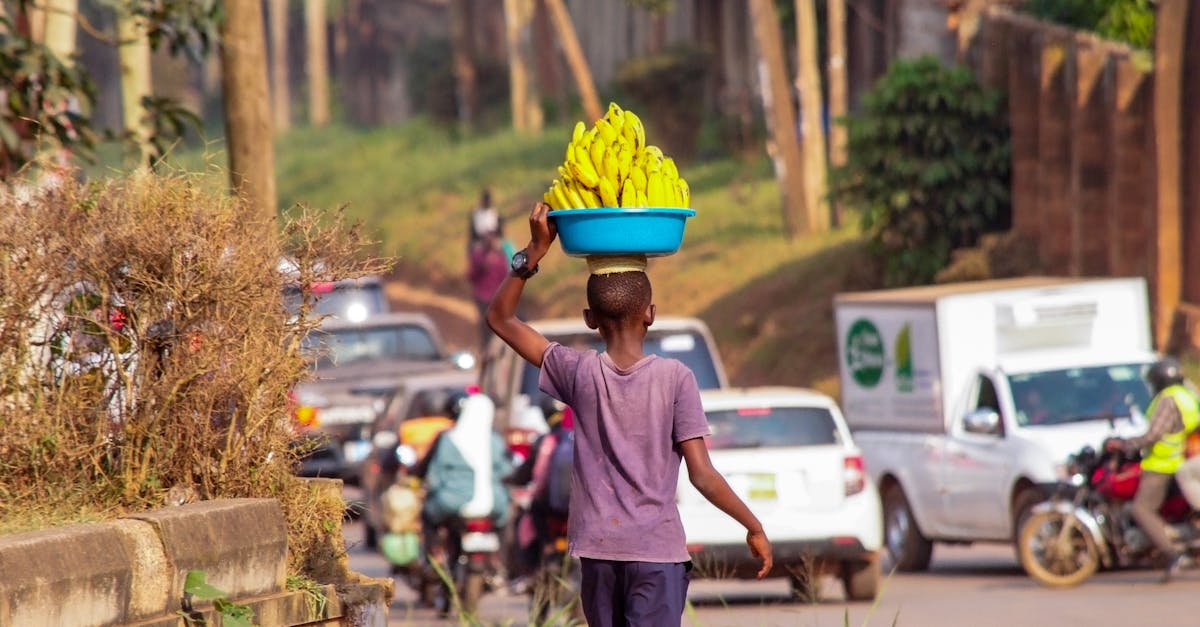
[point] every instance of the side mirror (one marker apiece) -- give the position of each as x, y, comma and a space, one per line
463, 360
385, 439
982, 421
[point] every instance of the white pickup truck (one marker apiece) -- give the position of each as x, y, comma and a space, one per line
966, 399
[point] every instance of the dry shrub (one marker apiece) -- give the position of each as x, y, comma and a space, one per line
145, 349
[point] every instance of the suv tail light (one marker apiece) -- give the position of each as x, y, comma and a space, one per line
854, 474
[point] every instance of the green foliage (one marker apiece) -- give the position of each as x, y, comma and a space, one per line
232, 614
928, 166
43, 99
1130, 21
655, 83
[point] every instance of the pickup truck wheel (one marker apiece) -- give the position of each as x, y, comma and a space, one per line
909, 549
861, 578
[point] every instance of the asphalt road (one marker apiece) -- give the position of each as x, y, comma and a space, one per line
978, 586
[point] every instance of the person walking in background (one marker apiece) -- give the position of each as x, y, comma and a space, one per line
484, 220
487, 265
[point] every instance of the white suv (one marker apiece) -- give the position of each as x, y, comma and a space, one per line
788, 454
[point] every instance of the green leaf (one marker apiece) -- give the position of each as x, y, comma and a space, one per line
196, 586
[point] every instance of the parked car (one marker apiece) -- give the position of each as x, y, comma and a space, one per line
357, 366
788, 454
415, 397
351, 299
513, 383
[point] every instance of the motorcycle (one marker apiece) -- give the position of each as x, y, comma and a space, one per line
465, 551
1087, 523
554, 594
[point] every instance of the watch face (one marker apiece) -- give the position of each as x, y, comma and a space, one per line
519, 260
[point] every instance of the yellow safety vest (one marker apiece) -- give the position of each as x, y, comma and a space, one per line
1166, 455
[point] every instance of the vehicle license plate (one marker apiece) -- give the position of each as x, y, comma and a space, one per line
356, 450
762, 487
480, 542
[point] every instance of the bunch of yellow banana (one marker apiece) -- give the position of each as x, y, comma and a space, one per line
610, 165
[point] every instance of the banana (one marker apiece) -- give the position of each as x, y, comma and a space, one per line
625, 161
638, 176
606, 131
633, 125
548, 198
668, 168
656, 193
656, 152
577, 134
612, 170
560, 195
582, 169
590, 199
608, 193
677, 191
596, 152
686, 193
616, 117
628, 194
576, 202
641, 199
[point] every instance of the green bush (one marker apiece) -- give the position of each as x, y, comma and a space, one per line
668, 89
1131, 21
928, 166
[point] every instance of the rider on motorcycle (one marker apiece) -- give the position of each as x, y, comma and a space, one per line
532, 528
1173, 413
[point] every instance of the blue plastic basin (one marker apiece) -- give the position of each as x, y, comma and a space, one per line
652, 231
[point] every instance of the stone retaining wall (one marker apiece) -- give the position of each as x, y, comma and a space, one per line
132, 571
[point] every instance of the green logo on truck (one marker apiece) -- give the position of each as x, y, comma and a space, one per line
864, 353
904, 365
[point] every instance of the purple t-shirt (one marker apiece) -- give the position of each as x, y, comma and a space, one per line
628, 426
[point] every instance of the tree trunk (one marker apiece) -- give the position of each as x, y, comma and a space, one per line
248, 132
838, 105
133, 54
60, 28
463, 58
318, 65
526, 103
35, 20
575, 59
812, 126
280, 95
1169, 46
781, 122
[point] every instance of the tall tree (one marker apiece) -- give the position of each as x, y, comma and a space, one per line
526, 104
463, 59
280, 95
812, 124
318, 63
1170, 42
575, 58
60, 28
781, 120
133, 52
248, 132
838, 105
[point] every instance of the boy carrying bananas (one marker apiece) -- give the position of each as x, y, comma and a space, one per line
636, 417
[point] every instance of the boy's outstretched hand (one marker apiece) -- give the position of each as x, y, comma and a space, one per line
542, 232
760, 547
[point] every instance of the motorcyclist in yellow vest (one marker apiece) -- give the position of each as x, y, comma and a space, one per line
1173, 414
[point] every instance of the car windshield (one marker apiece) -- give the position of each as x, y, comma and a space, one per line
348, 301
754, 427
688, 347
1078, 394
404, 342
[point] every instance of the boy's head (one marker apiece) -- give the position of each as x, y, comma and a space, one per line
619, 299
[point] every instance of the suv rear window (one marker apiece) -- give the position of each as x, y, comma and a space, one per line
754, 427
686, 346
406, 342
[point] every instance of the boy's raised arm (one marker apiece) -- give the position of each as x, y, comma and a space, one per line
502, 313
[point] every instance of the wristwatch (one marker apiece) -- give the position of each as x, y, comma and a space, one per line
520, 265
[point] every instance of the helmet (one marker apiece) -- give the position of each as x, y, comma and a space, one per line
1164, 373
454, 404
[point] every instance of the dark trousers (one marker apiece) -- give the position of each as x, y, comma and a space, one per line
633, 594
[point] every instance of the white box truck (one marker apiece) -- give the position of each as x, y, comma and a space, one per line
966, 399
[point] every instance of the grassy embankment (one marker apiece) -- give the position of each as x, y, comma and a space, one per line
767, 299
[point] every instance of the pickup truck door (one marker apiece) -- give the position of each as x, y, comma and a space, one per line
976, 467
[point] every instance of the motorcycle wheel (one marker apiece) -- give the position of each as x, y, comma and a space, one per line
1057, 551
471, 593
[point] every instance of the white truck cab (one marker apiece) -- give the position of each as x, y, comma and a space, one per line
966, 399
